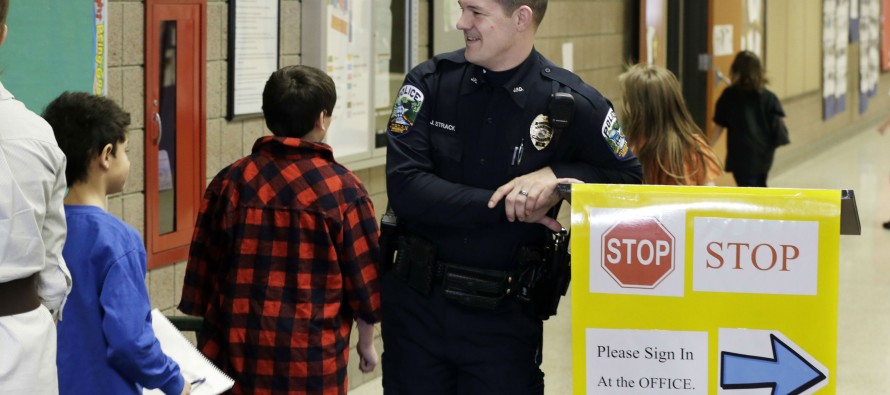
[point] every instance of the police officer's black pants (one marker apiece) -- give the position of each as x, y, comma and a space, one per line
432, 345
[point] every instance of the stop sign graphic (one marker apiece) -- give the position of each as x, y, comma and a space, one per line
638, 252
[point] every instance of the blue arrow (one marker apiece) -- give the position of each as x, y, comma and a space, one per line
787, 373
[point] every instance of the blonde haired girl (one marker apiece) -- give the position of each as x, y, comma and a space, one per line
660, 130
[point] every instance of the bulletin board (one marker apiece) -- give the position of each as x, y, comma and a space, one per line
51, 48
253, 48
343, 48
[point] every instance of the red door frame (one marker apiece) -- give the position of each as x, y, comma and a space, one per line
191, 17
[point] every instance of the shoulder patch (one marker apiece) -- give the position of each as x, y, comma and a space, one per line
614, 135
405, 110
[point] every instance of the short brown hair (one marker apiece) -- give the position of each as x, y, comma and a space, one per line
84, 124
539, 8
293, 98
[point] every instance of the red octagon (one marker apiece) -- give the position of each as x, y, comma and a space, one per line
638, 252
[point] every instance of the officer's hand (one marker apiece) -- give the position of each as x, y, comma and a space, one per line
528, 198
540, 215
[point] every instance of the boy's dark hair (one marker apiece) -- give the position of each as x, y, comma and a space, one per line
293, 98
84, 124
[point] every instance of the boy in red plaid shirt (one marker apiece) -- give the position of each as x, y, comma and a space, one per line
285, 253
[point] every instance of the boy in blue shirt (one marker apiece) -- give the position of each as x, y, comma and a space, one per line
106, 344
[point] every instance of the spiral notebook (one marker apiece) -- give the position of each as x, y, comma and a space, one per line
194, 366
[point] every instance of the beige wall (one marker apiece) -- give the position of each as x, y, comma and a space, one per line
794, 68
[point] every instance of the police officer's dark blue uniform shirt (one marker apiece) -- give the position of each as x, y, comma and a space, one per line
448, 152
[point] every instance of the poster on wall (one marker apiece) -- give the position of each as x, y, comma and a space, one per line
342, 47
253, 54
869, 51
835, 25
101, 58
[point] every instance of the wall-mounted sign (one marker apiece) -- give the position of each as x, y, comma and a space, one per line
253, 54
342, 47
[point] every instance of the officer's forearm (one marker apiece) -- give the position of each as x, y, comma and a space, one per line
627, 172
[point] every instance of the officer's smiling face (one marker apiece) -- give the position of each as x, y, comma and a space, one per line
488, 33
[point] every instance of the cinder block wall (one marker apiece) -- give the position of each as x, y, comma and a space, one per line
599, 30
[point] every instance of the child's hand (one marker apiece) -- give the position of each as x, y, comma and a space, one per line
186, 389
368, 358
367, 352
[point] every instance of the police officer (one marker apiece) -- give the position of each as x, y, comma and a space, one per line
473, 161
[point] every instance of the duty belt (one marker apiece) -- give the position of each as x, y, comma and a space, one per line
18, 296
417, 265
483, 288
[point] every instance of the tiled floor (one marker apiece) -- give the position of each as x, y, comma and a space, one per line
861, 163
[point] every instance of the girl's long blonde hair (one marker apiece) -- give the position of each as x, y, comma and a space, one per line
659, 128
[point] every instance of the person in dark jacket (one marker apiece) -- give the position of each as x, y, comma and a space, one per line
748, 111
474, 157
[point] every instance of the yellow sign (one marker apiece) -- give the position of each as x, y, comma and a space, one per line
702, 290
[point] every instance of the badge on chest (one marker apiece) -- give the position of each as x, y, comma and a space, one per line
540, 132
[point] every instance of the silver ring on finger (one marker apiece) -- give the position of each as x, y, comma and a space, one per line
523, 193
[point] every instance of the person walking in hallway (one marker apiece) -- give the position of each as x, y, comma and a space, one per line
749, 112
285, 253
108, 328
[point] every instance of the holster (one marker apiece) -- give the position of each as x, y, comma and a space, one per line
389, 236
415, 263
548, 277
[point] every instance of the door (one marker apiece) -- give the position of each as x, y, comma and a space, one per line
175, 125
688, 56
725, 32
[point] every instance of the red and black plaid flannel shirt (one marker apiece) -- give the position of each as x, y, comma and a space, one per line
283, 258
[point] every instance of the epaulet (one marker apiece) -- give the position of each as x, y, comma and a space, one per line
441, 60
571, 80
453, 56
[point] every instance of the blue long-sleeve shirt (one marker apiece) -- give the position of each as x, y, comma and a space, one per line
106, 344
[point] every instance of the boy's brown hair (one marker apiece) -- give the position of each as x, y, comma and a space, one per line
84, 124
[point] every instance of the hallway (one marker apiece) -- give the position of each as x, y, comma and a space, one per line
861, 163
